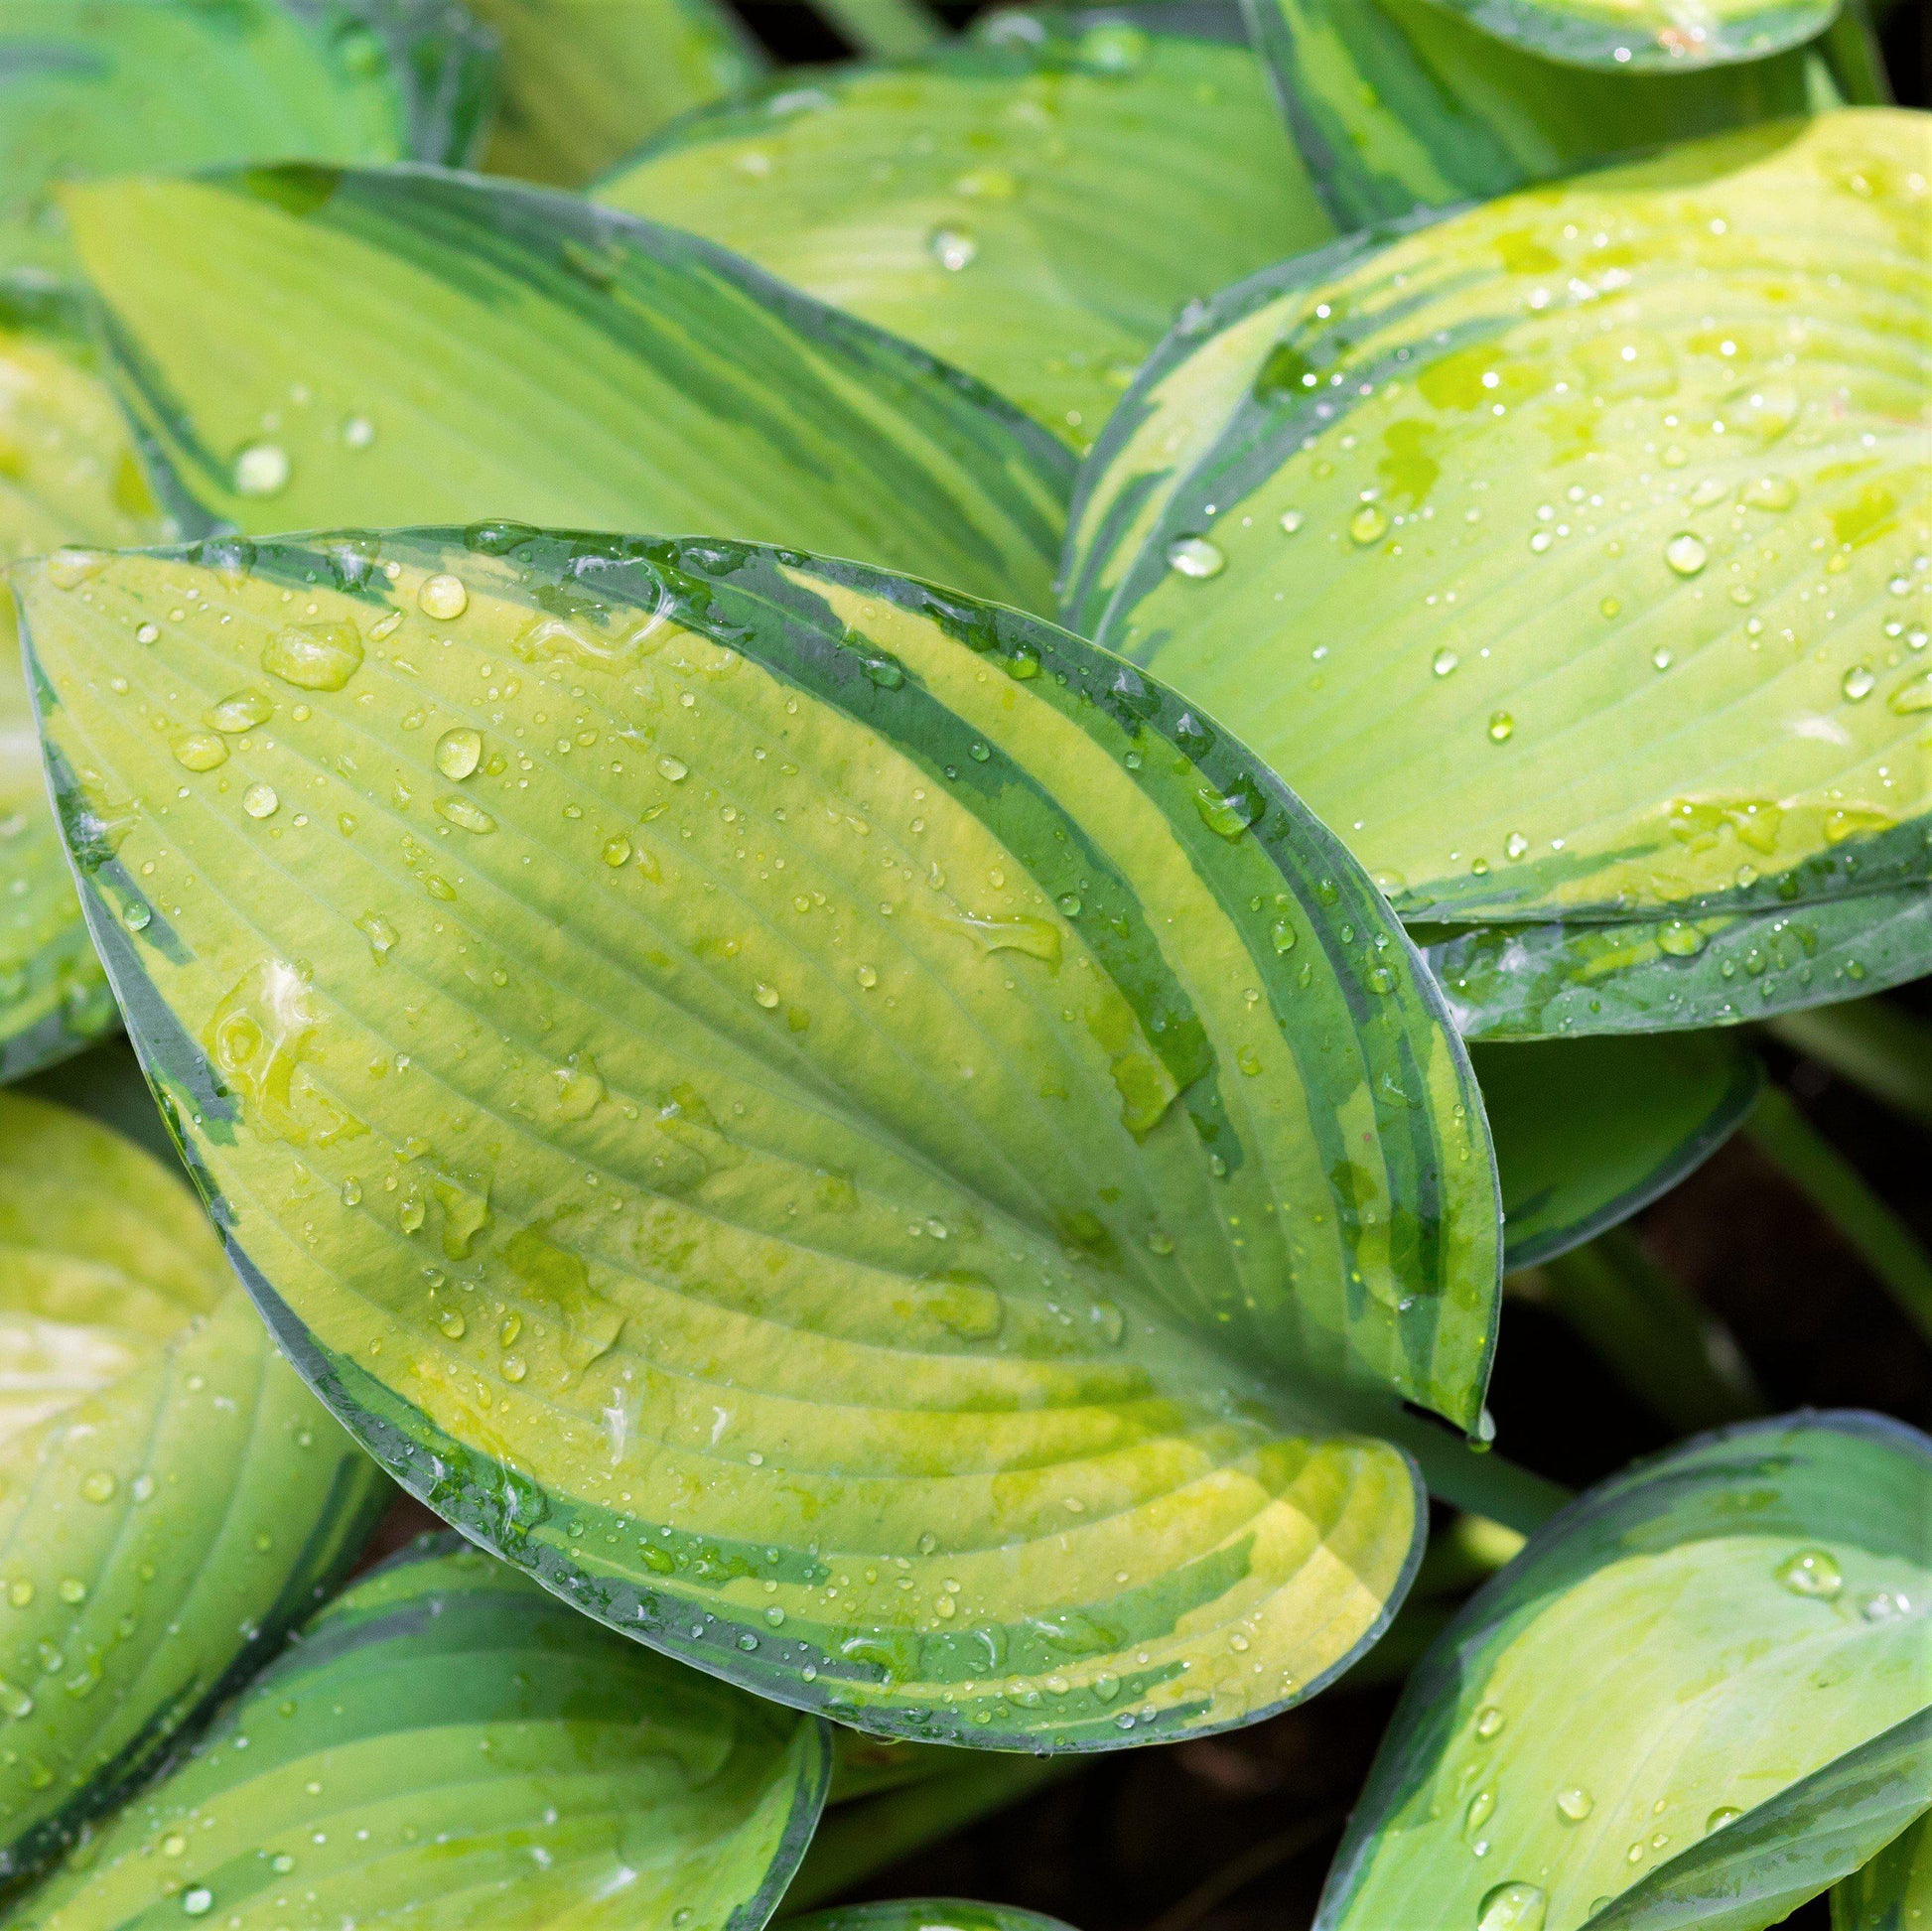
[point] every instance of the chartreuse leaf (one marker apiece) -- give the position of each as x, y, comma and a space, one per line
1400, 104
426, 346
1566, 551
1640, 34
450, 1745
171, 1498
839, 1126
1894, 1892
96, 87
923, 1914
1034, 203
1589, 1131
67, 471
583, 81
1753, 1606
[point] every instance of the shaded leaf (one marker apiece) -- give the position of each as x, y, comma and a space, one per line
68, 471
171, 1498
1589, 1131
465, 349
1033, 205
925, 1915
1894, 1892
1752, 1607
583, 81
839, 1126
93, 88
1653, 35
1547, 484
1400, 104
449, 1744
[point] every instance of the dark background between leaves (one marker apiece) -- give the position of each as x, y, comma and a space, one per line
1235, 1833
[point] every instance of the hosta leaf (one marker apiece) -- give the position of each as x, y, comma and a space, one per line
583, 81
1508, 982
837, 1124
433, 346
1655, 35
923, 1914
96, 87
1752, 1607
67, 471
449, 1746
171, 1498
1565, 551
1587, 1130
1034, 205
1399, 104
1894, 1892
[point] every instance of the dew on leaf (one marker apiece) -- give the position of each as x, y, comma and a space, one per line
261, 470
1195, 557
1686, 553
1514, 1906
458, 751
1812, 1571
443, 597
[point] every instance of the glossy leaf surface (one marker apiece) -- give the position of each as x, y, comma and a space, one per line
449, 1746
1401, 104
1034, 205
839, 1126
583, 81
1589, 1131
1894, 1892
923, 1914
70, 476
1758, 1600
171, 1498
96, 87
465, 349
1599, 604
1635, 36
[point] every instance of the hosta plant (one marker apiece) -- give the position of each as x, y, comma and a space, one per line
876, 835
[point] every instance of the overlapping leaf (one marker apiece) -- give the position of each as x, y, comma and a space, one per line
70, 474
448, 1744
925, 1915
1589, 1131
1034, 205
1567, 553
1754, 1609
96, 87
845, 1130
171, 1498
1894, 1892
1399, 104
584, 82
309, 348
1649, 35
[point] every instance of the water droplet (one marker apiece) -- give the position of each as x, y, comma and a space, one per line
952, 249
673, 769
1686, 553
514, 1367
1574, 1804
1489, 1721
201, 752
1718, 1817
72, 1590
261, 470
1478, 1812
1070, 903
1197, 557
147, 634
1284, 935
174, 1844
358, 432
138, 916
580, 1087
616, 851
1444, 663
766, 996
1915, 694
1774, 492
15, 1701
314, 656
98, 1487
199, 1902
450, 1321
466, 816
68, 568
1512, 1907
1292, 520
1232, 811
260, 801
1812, 1571
1369, 524
443, 597
241, 711
867, 977
1501, 725
459, 753
1680, 940
1516, 845
1858, 683
381, 934
20, 1593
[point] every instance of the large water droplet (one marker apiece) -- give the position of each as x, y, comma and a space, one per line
461, 812
200, 750
1444, 663
1514, 1906
458, 752
1369, 524
381, 934
443, 597
314, 656
1680, 940
1718, 1817
1858, 683
261, 470
1197, 557
952, 249
1812, 1571
260, 801
1686, 553
1502, 728
238, 712
1574, 1804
